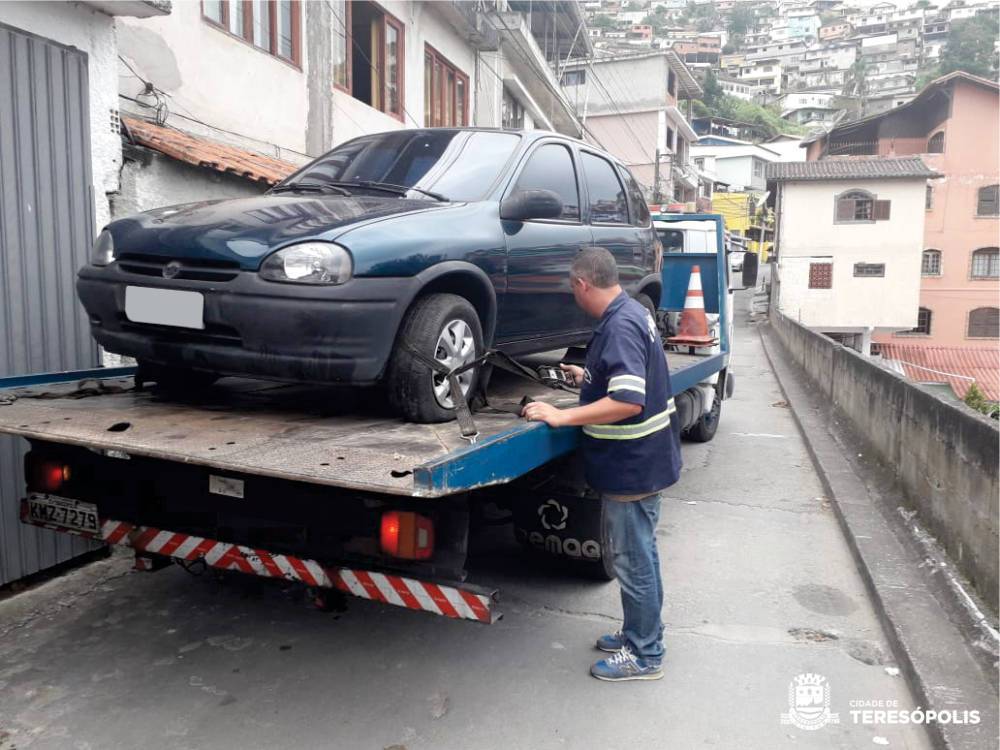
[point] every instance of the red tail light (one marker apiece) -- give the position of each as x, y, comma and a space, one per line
49, 476
406, 535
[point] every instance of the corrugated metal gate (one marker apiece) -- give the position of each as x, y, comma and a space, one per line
46, 230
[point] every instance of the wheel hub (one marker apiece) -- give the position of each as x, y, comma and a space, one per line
455, 347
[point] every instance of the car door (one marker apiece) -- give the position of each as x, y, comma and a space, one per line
539, 301
609, 219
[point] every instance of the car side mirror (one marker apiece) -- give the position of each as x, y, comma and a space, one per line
749, 270
522, 205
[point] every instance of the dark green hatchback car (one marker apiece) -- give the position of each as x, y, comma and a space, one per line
450, 240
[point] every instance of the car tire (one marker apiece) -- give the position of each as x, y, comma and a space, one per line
703, 430
415, 390
177, 379
646, 301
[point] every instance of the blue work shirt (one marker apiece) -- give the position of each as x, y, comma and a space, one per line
625, 360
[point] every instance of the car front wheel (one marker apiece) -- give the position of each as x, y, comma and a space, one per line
446, 328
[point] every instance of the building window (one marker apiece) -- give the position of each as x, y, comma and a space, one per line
984, 323
671, 143
368, 49
446, 92
923, 324
855, 206
988, 203
935, 144
672, 83
929, 197
513, 111
574, 78
758, 167
986, 263
869, 269
930, 263
341, 10
271, 25
821, 275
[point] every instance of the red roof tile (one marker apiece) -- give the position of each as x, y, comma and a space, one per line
957, 366
204, 153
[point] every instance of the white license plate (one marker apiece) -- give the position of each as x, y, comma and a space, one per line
165, 307
61, 511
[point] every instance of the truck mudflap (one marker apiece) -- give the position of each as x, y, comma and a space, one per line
465, 603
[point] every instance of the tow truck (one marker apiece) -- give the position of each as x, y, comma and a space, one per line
303, 484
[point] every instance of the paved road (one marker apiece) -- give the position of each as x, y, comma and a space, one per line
760, 588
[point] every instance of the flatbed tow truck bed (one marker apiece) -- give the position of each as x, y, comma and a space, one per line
305, 433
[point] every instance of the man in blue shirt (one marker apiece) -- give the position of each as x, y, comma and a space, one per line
631, 451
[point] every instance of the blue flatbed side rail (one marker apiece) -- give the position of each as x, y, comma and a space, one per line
498, 459
44, 378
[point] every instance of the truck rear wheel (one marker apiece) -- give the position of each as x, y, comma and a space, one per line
704, 429
446, 328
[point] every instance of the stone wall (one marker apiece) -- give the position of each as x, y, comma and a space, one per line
944, 454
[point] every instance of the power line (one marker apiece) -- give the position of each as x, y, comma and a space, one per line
526, 58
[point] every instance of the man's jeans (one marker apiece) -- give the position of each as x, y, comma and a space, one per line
637, 565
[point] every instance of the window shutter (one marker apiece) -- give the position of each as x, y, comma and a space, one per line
820, 275
845, 209
882, 210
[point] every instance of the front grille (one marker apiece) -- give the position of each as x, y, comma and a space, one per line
211, 334
193, 269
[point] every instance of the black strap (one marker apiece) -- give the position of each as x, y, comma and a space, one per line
463, 413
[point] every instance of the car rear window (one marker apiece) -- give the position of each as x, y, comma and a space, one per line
638, 209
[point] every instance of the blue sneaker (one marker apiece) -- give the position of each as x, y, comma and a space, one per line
625, 665
611, 643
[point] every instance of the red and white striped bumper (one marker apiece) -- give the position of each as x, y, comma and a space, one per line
467, 603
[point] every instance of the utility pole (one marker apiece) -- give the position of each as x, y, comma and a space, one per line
657, 198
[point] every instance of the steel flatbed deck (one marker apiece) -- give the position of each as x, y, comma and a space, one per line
303, 433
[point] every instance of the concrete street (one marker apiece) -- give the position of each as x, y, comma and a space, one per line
760, 587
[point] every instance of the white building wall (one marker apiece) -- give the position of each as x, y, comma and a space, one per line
808, 234
92, 32
218, 79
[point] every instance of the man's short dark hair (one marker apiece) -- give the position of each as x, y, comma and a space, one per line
596, 266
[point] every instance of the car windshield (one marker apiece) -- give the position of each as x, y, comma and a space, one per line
459, 165
672, 240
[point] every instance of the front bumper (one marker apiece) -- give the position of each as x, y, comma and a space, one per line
338, 334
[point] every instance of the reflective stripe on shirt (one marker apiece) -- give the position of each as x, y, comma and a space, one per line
632, 431
627, 383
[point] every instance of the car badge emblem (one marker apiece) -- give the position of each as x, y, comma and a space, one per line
171, 269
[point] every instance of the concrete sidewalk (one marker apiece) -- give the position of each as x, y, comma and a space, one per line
761, 587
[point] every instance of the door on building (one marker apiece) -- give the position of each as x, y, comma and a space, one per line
46, 230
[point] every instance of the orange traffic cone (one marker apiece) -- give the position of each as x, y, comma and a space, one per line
693, 327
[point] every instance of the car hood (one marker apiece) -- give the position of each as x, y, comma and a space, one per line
245, 230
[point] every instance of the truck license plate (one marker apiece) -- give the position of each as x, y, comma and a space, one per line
61, 511
165, 307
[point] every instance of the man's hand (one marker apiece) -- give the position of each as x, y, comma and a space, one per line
539, 411
574, 372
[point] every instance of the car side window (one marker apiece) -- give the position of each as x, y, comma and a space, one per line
638, 209
550, 167
607, 196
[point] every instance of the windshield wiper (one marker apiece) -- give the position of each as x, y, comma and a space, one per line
314, 187
390, 188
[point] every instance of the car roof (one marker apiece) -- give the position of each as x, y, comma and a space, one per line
530, 135
703, 225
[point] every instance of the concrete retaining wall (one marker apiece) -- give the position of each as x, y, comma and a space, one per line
945, 455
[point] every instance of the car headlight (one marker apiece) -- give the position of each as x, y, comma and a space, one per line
309, 263
104, 249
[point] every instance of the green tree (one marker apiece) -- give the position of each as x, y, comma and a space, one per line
602, 22
977, 400
713, 91
971, 46
741, 20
